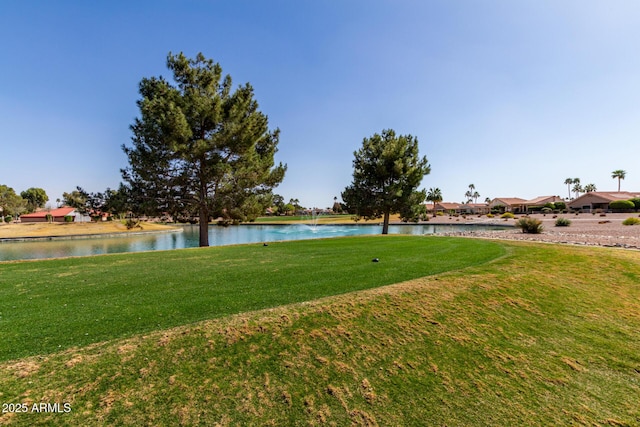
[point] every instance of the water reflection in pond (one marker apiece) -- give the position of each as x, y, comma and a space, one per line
188, 238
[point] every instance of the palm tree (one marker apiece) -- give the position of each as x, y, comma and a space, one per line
296, 204
336, 208
590, 188
475, 196
469, 193
568, 182
577, 188
620, 174
434, 195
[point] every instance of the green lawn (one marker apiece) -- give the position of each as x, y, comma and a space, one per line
542, 335
50, 305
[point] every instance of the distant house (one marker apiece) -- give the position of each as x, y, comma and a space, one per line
445, 207
540, 201
589, 202
509, 204
459, 208
478, 208
57, 215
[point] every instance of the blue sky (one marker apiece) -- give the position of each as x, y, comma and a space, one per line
512, 96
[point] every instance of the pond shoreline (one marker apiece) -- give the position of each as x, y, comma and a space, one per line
86, 236
42, 247
178, 228
28, 231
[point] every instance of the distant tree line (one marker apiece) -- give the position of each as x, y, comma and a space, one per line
12, 204
114, 202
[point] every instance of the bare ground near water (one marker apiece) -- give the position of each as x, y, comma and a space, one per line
43, 229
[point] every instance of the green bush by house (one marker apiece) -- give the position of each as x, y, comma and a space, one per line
560, 206
622, 205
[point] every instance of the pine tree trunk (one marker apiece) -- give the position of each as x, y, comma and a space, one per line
204, 226
203, 209
385, 224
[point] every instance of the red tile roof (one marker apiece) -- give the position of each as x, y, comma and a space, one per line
56, 213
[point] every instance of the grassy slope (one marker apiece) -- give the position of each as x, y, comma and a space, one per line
50, 305
545, 336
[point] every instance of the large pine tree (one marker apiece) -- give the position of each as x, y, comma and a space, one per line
387, 171
201, 149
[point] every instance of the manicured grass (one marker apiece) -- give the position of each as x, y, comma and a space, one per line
47, 306
545, 335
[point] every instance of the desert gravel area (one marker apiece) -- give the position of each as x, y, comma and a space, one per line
585, 229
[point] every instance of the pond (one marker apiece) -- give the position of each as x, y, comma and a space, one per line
187, 237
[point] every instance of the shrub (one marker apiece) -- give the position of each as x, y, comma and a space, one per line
132, 223
563, 222
507, 215
636, 202
622, 205
68, 218
560, 205
530, 225
631, 221
8, 218
440, 213
490, 215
